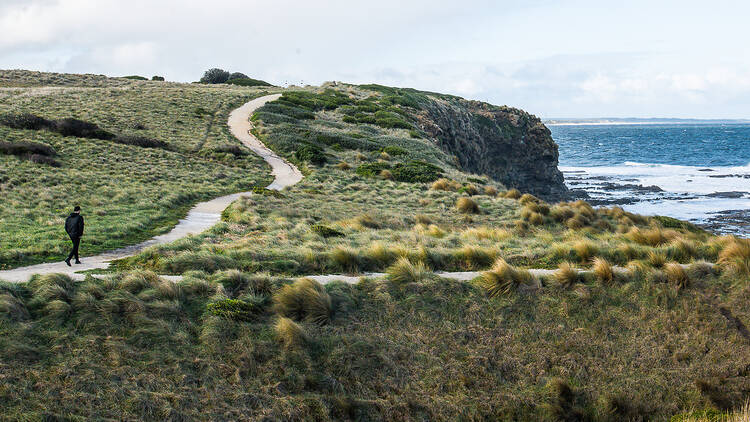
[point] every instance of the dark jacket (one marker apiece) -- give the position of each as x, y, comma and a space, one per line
74, 225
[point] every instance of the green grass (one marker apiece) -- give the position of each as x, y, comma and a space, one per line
243, 337
128, 193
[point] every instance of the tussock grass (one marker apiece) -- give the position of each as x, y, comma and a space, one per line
467, 205
304, 300
603, 271
512, 194
504, 279
289, 333
566, 275
346, 258
676, 275
585, 250
735, 256
404, 271
657, 259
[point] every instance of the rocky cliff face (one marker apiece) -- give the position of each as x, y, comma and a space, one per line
507, 144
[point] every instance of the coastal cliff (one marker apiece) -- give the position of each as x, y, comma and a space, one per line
505, 143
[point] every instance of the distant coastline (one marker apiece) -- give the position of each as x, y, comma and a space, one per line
641, 121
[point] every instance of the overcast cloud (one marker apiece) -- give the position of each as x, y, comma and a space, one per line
553, 58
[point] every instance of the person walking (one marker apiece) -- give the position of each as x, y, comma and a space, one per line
74, 228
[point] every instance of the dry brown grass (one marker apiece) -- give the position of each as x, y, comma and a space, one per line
289, 333
603, 271
444, 184
512, 194
404, 271
304, 300
566, 275
585, 250
676, 275
490, 191
504, 279
735, 256
467, 205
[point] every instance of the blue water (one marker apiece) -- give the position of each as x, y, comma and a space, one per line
696, 172
678, 144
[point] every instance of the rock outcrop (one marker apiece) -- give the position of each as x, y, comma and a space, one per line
507, 144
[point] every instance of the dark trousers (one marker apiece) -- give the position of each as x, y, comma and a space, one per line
76, 241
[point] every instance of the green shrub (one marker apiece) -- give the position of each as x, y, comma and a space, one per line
81, 129
234, 309
416, 172
26, 148
247, 82
136, 77
157, 78
327, 100
25, 121
311, 153
214, 76
394, 150
372, 169
261, 190
325, 231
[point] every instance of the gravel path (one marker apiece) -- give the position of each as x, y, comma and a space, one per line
201, 217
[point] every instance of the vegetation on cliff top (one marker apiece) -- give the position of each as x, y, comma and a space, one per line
636, 337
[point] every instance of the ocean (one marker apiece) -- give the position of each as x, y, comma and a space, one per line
694, 172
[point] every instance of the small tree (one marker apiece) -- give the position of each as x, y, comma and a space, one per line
215, 76
238, 75
157, 78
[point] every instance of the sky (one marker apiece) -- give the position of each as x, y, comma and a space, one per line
555, 59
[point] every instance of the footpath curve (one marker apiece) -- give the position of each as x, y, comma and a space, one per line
200, 218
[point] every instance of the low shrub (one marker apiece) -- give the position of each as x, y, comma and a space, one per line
504, 279
136, 77
234, 309
43, 159
467, 205
404, 271
311, 153
214, 76
247, 82
140, 141
469, 189
325, 231
157, 78
394, 151
372, 169
26, 148
26, 121
416, 172
304, 300
262, 190
235, 150
81, 129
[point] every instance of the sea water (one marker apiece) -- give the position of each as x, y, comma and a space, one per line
695, 172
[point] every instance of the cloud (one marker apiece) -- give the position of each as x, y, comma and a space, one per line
559, 59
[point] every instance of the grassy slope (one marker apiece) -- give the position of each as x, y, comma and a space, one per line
638, 347
129, 193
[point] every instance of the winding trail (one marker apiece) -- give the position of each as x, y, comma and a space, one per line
201, 217
205, 214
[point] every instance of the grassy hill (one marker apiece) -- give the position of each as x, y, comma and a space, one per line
387, 188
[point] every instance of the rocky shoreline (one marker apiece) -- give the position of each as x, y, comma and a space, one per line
628, 193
